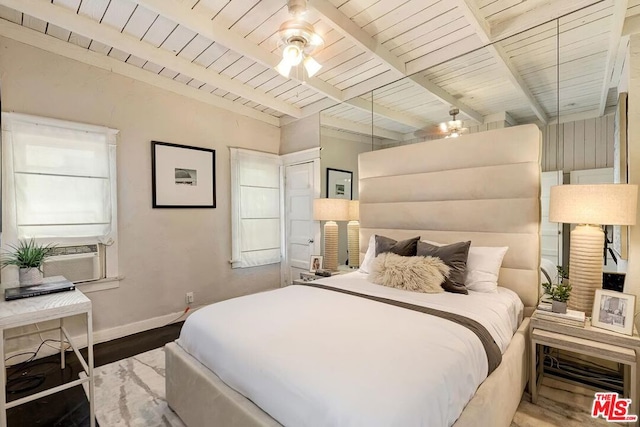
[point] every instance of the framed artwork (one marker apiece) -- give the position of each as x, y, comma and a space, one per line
315, 263
339, 184
182, 176
613, 311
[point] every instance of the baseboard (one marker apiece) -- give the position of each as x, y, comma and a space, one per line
110, 334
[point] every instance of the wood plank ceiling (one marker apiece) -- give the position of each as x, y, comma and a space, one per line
223, 52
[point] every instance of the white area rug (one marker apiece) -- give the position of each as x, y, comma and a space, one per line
131, 392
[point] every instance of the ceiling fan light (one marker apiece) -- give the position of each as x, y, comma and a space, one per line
292, 53
284, 68
312, 66
454, 134
444, 127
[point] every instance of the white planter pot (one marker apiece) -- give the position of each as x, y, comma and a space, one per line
30, 276
559, 307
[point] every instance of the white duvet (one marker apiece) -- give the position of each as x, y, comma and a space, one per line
313, 357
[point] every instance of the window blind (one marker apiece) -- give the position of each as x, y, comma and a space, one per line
255, 198
61, 178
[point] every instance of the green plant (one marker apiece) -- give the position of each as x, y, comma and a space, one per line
548, 288
561, 291
27, 254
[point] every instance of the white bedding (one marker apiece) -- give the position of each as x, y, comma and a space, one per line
312, 357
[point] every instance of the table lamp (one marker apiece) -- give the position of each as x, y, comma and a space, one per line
353, 234
331, 210
590, 207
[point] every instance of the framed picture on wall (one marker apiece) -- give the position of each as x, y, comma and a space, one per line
339, 184
182, 176
613, 311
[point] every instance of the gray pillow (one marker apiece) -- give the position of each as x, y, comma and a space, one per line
455, 256
402, 248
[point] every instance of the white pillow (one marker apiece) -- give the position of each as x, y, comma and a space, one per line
369, 256
483, 268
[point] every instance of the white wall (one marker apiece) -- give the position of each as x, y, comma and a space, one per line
163, 252
300, 135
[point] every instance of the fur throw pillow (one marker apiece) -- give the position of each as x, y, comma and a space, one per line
417, 273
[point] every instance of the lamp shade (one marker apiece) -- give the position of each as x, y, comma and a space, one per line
331, 210
354, 210
599, 204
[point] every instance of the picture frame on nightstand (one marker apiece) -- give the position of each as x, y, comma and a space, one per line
613, 311
315, 263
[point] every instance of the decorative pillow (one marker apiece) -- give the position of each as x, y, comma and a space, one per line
483, 268
455, 256
403, 247
369, 256
417, 274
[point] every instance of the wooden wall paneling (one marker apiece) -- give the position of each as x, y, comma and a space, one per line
610, 139
578, 145
568, 147
590, 143
601, 149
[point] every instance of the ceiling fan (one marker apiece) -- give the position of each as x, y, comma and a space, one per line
299, 41
449, 129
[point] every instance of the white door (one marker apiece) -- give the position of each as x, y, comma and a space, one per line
302, 239
550, 232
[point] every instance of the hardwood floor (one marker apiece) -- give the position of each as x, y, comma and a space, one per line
70, 408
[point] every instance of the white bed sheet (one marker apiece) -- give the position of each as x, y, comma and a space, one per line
312, 357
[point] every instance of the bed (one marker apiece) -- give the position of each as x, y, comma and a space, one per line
306, 355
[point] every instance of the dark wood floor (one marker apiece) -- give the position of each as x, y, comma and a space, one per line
70, 408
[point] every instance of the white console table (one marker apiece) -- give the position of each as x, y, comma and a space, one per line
28, 311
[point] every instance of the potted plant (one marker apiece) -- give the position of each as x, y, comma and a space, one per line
28, 256
560, 295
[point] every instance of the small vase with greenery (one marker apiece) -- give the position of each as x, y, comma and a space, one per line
560, 295
28, 256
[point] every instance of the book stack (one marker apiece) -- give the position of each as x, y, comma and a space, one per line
571, 317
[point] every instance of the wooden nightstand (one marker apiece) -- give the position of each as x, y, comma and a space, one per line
588, 341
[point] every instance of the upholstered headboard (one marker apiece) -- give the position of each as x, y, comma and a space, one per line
483, 187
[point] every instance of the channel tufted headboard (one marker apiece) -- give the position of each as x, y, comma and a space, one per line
483, 187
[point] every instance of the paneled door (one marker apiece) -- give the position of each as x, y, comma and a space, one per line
301, 237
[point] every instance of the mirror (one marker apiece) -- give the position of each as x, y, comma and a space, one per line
551, 75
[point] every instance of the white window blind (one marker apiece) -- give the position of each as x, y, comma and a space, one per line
62, 176
255, 198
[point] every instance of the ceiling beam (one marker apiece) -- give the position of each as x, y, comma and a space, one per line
340, 22
69, 50
204, 26
109, 36
359, 128
617, 24
539, 14
482, 28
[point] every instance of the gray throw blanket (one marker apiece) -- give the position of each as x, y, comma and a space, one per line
494, 356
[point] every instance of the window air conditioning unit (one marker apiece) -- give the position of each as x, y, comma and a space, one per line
82, 263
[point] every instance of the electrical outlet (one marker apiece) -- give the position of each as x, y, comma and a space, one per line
189, 297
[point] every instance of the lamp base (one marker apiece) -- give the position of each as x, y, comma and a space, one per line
585, 266
330, 246
353, 233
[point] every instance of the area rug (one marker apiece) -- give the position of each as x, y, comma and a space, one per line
131, 393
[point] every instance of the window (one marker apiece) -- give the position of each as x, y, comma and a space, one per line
60, 183
255, 212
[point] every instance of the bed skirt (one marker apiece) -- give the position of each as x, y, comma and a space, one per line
201, 398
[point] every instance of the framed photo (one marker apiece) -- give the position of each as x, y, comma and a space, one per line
339, 184
613, 311
315, 263
182, 176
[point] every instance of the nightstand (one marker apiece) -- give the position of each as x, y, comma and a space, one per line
308, 277
588, 341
